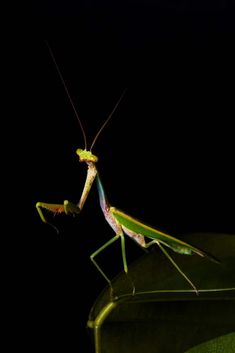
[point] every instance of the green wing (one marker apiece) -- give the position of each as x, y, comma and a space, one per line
140, 228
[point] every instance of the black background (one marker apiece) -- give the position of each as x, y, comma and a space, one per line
166, 156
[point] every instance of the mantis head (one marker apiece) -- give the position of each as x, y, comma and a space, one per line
86, 156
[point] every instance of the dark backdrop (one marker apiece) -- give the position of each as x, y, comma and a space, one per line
166, 156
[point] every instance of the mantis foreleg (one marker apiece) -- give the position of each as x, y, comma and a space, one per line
67, 208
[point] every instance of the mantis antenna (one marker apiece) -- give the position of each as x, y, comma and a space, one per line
67, 92
73, 106
107, 120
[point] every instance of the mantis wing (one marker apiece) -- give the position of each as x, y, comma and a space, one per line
144, 230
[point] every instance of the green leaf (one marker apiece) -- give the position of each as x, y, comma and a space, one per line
221, 344
165, 314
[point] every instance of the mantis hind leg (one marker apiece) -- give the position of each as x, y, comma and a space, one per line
173, 263
177, 267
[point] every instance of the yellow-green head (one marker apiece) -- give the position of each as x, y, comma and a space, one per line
86, 156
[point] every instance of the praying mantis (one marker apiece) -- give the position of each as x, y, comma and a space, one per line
121, 223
